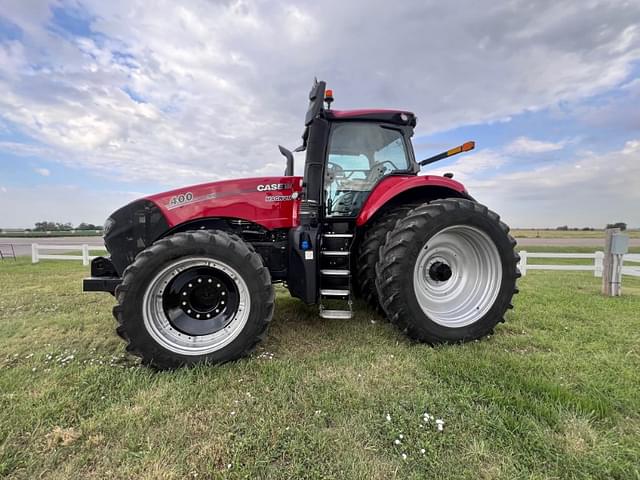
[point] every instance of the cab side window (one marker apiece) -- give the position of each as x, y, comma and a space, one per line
360, 155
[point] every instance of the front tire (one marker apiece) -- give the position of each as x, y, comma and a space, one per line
194, 297
447, 272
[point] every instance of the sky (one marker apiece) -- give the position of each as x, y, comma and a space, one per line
104, 102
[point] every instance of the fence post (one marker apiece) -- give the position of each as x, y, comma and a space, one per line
597, 264
85, 254
610, 286
523, 262
34, 253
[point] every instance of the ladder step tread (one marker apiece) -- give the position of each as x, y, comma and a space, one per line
336, 314
328, 292
338, 235
335, 272
334, 253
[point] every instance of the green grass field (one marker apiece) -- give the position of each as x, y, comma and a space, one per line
553, 394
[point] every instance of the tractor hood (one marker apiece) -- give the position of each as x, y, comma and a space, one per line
270, 202
267, 201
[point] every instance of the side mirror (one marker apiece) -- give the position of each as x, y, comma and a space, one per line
289, 156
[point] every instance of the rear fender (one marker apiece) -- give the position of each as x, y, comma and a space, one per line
398, 190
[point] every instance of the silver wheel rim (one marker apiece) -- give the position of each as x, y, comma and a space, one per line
161, 330
470, 260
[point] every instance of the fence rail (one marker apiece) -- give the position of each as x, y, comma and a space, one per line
596, 268
36, 256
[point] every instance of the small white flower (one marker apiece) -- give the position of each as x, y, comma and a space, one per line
401, 436
388, 417
404, 456
33, 369
229, 466
397, 441
233, 413
440, 424
422, 451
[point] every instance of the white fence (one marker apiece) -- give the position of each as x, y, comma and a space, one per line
36, 256
596, 268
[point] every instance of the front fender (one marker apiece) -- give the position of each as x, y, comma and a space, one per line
426, 187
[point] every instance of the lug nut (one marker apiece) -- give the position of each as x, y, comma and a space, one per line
210, 280
184, 294
199, 280
197, 315
188, 311
190, 285
218, 285
184, 303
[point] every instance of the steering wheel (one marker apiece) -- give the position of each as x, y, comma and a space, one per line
378, 170
335, 168
393, 165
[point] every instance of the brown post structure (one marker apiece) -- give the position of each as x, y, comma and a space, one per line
608, 265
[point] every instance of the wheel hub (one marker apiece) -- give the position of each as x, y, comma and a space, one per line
200, 301
203, 298
440, 271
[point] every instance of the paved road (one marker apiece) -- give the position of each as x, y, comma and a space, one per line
570, 242
22, 245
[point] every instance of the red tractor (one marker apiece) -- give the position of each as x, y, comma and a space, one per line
193, 269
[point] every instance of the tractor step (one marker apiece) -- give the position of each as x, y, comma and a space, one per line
335, 275
339, 273
336, 314
329, 292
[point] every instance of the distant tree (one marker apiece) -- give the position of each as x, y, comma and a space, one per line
45, 226
563, 228
621, 225
52, 226
87, 226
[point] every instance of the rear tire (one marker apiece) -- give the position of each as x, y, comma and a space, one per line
447, 272
369, 251
194, 297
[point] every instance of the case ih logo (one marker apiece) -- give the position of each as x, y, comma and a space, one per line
273, 186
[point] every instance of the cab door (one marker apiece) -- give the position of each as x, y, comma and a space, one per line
359, 155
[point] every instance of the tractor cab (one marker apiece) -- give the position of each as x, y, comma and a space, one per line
349, 152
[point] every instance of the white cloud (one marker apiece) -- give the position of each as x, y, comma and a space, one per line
525, 145
195, 91
223, 83
42, 171
589, 189
3, 189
